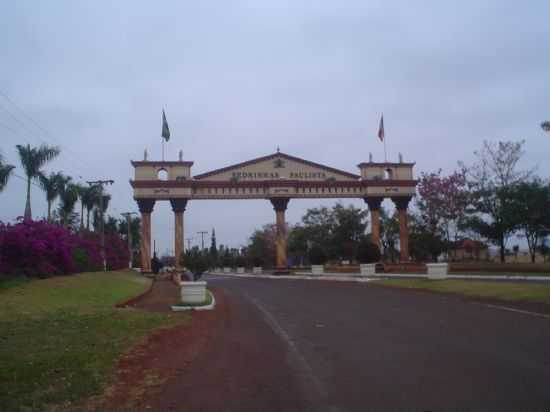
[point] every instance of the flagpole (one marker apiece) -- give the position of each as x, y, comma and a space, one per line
162, 148
385, 154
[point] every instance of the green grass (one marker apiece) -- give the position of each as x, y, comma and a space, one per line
60, 337
499, 290
206, 302
7, 281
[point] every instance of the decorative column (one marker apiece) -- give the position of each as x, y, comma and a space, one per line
401, 204
279, 205
178, 206
374, 208
146, 208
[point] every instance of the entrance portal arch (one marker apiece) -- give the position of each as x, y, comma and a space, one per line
278, 177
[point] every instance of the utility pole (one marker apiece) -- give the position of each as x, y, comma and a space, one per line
205, 232
100, 184
189, 239
128, 217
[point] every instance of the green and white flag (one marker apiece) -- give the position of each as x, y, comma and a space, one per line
165, 129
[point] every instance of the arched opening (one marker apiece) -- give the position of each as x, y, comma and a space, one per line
162, 174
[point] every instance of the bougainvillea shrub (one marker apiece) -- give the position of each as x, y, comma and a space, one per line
40, 249
116, 250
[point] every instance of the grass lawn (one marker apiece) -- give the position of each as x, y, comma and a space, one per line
499, 290
60, 337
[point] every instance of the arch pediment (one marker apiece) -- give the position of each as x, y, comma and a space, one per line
277, 166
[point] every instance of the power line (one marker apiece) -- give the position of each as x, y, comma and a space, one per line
36, 124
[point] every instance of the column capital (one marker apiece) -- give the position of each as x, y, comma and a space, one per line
178, 204
401, 202
373, 202
279, 203
145, 205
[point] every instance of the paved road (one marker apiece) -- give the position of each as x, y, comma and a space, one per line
335, 346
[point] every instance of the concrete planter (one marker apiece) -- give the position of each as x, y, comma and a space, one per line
240, 270
437, 270
226, 270
193, 292
367, 269
317, 269
257, 270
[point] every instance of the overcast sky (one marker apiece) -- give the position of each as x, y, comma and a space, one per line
239, 78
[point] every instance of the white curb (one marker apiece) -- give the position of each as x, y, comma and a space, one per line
204, 307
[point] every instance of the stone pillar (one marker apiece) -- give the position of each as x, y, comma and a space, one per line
178, 206
279, 205
374, 208
146, 208
401, 204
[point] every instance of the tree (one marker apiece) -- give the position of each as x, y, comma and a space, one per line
99, 200
51, 186
261, 244
68, 197
530, 204
336, 230
297, 243
33, 159
490, 181
213, 249
545, 126
425, 244
442, 203
389, 233
543, 248
135, 230
5, 173
89, 198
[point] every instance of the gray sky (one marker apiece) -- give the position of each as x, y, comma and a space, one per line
239, 78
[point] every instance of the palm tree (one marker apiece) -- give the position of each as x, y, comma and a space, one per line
5, 173
51, 185
89, 200
81, 193
545, 126
32, 160
97, 210
68, 196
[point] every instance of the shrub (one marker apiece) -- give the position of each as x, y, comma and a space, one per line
258, 261
197, 263
368, 252
40, 249
227, 261
240, 261
317, 255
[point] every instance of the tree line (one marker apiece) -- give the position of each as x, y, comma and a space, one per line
63, 195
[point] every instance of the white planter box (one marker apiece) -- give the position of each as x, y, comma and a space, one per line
257, 270
437, 270
367, 269
317, 269
226, 270
240, 270
193, 292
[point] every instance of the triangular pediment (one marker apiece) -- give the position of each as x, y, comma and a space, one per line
277, 166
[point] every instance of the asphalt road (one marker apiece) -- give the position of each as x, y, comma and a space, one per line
298, 345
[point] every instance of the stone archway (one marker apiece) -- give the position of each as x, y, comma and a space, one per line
278, 178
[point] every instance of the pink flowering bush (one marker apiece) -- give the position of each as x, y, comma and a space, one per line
40, 249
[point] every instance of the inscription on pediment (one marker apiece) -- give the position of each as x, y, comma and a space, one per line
274, 168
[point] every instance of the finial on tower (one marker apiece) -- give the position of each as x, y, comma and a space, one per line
145, 155
400, 158
180, 156
278, 149
370, 157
